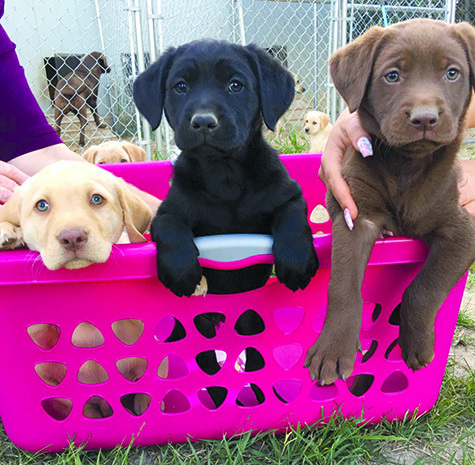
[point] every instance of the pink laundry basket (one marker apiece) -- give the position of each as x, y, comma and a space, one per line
126, 287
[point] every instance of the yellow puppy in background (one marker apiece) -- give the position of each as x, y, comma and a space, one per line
317, 125
72, 213
114, 152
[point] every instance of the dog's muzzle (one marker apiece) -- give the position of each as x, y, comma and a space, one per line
204, 122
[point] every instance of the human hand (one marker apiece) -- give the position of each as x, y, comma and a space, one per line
347, 131
10, 178
467, 186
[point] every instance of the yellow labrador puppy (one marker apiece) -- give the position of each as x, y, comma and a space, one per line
114, 152
317, 125
72, 213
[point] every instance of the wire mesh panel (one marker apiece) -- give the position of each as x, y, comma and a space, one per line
55, 40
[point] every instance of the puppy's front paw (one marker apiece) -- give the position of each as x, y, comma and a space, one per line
331, 357
295, 264
11, 237
417, 347
181, 276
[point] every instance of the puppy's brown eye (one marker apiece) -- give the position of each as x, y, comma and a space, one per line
391, 77
452, 74
42, 206
235, 86
181, 87
97, 199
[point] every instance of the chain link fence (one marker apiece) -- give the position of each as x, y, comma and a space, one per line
54, 39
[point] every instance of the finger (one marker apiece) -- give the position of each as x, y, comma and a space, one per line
5, 194
7, 183
13, 173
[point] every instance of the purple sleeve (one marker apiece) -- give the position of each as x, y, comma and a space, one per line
23, 125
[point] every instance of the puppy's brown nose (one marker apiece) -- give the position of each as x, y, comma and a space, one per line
72, 238
423, 118
204, 121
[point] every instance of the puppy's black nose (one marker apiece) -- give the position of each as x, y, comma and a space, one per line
423, 118
204, 121
307, 130
72, 238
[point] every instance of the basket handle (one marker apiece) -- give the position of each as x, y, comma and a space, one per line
226, 248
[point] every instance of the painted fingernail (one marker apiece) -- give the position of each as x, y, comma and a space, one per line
349, 221
365, 147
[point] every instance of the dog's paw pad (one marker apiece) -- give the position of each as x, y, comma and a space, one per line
201, 288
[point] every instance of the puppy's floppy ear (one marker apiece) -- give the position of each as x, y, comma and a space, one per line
10, 211
351, 66
276, 85
135, 153
324, 120
90, 153
137, 214
466, 34
149, 88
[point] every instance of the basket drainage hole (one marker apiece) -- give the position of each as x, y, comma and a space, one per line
86, 335
97, 407
250, 396
209, 324
249, 324
169, 329
175, 402
249, 359
288, 319
212, 397
319, 214
371, 312
323, 393
51, 373
136, 403
172, 367
395, 318
367, 354
132, 368
287, 355
395, 382
128, 330
57, 407
211, 361
287, 390
359, 384
393, 352
92, 372
44, 335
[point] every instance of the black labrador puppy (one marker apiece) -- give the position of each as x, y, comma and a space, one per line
227, 179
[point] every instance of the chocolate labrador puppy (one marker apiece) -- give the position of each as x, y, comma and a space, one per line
227, 179
78, 90
411, 85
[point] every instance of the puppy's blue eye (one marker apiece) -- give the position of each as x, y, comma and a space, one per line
452, 74
235, 86
181, 87
97, 199
42, 206
393, 76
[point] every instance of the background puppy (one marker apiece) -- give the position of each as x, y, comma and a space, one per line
114, 152
78, 90
227, 179
412, 90
72, 213
317, 125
